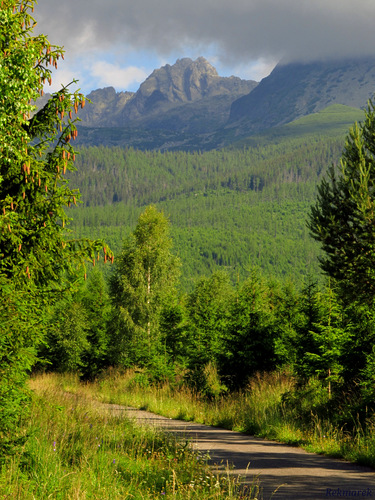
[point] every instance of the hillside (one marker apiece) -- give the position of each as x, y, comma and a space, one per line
295, 90
333, 121
232, 208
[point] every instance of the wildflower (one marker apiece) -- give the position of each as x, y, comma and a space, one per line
54, 446
114, 461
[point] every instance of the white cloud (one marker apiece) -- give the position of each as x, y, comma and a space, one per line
112, 74
62, 77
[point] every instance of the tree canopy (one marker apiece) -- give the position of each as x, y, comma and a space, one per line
143, 283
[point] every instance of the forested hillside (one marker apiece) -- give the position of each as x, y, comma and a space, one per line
234, 208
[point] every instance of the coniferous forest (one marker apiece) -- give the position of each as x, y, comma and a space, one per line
232, 209
200, 271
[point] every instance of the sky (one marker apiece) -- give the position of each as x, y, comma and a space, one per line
119, 43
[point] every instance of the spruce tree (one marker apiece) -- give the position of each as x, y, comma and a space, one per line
35, 250
343, 218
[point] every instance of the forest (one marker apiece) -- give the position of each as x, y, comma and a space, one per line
234, 208
196, 271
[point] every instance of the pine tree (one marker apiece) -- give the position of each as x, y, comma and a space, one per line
343, 218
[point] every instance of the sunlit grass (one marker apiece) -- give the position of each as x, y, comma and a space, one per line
259, 410
77, 450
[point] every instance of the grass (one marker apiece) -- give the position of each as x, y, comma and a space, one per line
333, 121
259, 410
78, 450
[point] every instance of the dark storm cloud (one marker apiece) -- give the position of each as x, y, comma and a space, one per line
240, 29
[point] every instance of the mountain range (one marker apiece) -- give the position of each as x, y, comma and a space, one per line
188, 96
188, 106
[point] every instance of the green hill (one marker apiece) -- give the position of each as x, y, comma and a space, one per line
333, 121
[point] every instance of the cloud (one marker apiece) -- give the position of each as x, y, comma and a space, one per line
241, 30
112, 42
109, 74
255, 70
61, 77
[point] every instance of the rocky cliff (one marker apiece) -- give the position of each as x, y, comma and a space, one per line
188, 95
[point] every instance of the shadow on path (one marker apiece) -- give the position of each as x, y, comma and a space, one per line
285, 472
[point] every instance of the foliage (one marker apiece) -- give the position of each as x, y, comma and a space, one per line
329, 337
173, 331
208, 308
21, 328
35, 154
142, 284
342, 219
67, 336
250, 338
76, 332
96, 304
34, 190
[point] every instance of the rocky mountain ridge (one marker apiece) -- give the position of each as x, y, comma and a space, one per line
168, 99
188, 106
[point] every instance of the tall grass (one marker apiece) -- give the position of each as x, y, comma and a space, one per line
77, 450
260, 410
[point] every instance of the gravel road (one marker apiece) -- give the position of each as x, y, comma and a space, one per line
285, 472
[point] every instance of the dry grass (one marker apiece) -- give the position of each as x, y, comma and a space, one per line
76, 450
258, 410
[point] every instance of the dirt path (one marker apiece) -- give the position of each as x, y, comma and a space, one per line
285, 472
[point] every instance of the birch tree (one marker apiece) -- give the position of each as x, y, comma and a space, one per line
143, 283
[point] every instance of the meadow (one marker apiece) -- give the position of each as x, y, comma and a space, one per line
78, 450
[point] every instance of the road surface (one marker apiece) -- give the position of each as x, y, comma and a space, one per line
285, 472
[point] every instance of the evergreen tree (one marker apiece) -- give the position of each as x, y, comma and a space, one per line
143, 283
343, 218
208, 314
323, 340
250, 339
95, 300
67, 334
35, 154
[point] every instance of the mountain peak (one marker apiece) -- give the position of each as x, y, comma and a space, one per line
186, 81
187, 95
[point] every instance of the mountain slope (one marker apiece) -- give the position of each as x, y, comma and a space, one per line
331, 122
295, 90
